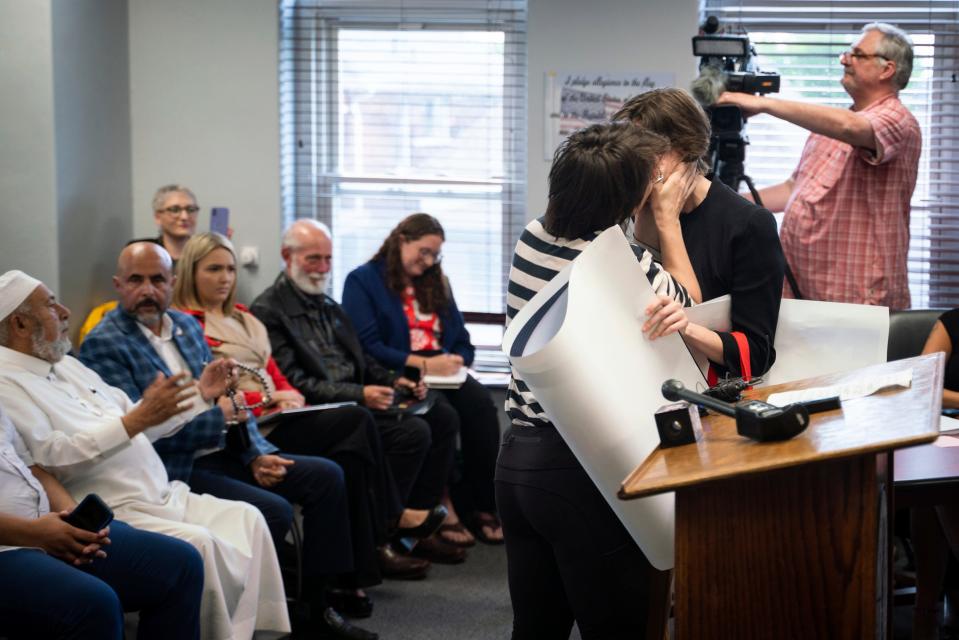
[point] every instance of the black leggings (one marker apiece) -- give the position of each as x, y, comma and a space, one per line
348, 437
479, 440
568, 555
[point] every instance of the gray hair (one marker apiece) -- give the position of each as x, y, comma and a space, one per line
23, 310
160, 196
896, 45
290, 240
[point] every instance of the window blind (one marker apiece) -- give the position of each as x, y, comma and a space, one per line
390, 108
802, 39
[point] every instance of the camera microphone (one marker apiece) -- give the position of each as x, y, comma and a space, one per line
754, 419
708, 86
711, 25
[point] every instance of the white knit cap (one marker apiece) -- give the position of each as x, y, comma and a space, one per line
15, 287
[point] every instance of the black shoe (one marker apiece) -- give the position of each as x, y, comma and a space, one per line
332, 625
350, 603
401, 566
426, 528
435, 549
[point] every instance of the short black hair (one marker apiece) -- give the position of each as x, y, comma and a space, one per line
599, 176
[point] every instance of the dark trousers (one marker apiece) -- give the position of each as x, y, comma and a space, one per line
316, 484
479, 442
420, 452
349, 437
161, 577
568, 556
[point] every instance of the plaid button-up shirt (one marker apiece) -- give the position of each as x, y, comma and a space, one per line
846, 228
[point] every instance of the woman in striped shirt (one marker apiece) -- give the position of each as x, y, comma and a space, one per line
569, 557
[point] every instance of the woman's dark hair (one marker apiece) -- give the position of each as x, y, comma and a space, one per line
600, 174
675, 115
431, 290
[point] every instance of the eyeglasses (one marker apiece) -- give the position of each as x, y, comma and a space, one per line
177, 209
426, 253
859, 55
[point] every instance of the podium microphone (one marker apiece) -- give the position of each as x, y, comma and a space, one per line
754, 419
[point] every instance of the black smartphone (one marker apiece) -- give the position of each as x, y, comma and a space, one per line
411, 373
92, 514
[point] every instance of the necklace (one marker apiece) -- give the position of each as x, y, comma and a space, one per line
238, 401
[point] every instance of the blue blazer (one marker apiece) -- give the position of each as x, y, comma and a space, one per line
377, 313
118, 351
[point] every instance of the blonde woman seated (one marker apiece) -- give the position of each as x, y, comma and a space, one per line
206, 289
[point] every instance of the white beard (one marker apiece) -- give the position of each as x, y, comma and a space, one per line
312, 283
50, 350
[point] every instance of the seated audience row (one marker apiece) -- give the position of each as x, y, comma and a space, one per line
152, 372
94, 439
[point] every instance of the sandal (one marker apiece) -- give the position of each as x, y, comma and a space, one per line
459, 528
478, 520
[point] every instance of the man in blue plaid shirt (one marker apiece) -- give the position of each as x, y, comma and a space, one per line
141, 337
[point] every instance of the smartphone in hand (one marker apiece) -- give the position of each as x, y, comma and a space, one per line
92, 514
411, 373
220, 220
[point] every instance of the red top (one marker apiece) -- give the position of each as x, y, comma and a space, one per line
249, 397
424, 329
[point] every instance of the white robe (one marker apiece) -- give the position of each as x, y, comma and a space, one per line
70, 420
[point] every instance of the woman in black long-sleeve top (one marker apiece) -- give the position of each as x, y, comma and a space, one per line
732, 243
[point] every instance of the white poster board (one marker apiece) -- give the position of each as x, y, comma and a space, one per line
579, 346
812, 338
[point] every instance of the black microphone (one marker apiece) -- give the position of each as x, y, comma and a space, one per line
711, 25
675, 390
754, 419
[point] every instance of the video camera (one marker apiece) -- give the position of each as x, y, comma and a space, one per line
727, 64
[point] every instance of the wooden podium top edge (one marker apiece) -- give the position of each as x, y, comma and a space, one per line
887, 420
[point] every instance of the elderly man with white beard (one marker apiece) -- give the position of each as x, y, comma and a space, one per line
94, 439
319, 351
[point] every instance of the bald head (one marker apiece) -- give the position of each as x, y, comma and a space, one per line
308, 253
144, 282
304, 231
139, 253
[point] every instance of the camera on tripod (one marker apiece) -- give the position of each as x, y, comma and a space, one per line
727, 64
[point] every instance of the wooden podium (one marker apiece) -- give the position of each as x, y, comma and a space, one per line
792, 539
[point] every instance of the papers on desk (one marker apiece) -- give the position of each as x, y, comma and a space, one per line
946, 441
948, 425
454, 381
578, 345
859, 389
499, 380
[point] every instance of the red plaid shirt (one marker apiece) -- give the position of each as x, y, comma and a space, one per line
846, 228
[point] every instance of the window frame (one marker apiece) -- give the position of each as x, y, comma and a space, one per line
321, 123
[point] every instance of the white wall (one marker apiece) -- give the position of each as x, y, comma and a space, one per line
65, 152
28, 214
601, 36
92, 128
205, 112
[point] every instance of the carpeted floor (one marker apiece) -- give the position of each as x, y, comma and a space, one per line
469, 601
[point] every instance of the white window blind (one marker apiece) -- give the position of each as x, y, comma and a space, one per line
802, 39
390, 108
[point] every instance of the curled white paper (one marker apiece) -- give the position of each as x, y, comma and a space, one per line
578, 345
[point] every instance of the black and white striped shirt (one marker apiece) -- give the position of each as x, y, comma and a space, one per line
539, 256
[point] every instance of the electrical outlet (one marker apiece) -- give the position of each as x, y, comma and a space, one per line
249, 256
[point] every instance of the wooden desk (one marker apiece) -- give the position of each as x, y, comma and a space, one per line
926, 475
790, 539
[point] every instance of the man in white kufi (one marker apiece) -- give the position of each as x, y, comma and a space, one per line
95, 440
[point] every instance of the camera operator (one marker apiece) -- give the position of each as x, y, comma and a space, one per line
846, 227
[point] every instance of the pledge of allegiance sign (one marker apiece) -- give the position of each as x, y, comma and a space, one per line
577, 100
